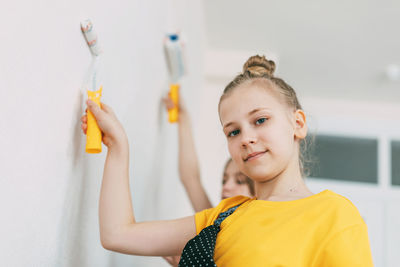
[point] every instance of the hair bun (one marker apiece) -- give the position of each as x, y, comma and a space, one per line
258, 65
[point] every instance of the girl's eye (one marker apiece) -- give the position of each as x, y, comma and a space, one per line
233, 133
240, 179
261, 120
240, 182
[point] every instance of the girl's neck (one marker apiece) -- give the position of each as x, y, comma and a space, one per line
288, 185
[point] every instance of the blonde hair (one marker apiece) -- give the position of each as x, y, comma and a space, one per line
258, 68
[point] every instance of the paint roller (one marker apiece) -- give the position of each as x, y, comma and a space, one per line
93, 87
173, 47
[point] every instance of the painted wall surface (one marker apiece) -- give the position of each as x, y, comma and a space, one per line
49, 188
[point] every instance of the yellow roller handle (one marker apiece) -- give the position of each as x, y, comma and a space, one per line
93, 134
174, 94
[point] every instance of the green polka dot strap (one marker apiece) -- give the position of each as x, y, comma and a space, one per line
199, 251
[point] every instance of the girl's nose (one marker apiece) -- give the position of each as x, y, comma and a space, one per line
248, 137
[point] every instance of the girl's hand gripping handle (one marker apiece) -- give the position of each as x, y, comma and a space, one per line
93, 135
112, 132
174, 95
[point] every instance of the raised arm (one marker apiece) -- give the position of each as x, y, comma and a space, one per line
189, 171
119, 230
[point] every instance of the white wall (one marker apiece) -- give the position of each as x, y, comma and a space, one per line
49, 187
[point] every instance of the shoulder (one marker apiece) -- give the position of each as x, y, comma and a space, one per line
339, 202
339, 209
346, 242
206, 217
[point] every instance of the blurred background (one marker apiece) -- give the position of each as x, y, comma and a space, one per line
341, 57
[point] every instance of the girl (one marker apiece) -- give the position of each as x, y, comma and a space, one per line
284, 225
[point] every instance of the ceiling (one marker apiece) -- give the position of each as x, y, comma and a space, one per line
337, 49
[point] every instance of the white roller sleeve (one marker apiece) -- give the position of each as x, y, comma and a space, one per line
91, 37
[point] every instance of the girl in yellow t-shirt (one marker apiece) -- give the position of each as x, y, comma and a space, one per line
284, 225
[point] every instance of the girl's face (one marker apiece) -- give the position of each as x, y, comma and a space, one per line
262, 132
234, 182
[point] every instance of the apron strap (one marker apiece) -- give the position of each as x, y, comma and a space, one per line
223, 215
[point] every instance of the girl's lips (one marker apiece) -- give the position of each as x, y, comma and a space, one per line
255, 155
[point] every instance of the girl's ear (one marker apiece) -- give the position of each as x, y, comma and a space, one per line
300, 131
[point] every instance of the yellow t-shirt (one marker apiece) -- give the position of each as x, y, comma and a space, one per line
324, 229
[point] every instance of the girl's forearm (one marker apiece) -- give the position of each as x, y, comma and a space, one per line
189, 170
115, 208
119, 230
188, 162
